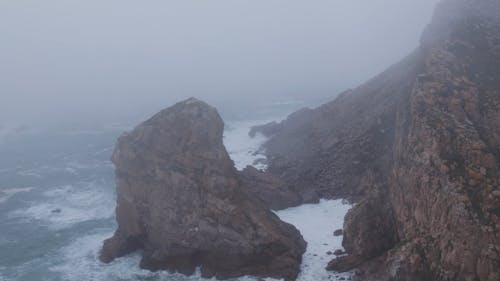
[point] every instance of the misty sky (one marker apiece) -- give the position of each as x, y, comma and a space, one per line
81, 59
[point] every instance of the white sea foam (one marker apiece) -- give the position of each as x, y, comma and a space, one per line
289, 102
242, 149
106, 150
316, 223
5, 170
29, 173
12, 129
2, 278
45, 171
80, 262
83, 132
71, 170
78, 203
67, 165
76, 165
7, 193
67, 205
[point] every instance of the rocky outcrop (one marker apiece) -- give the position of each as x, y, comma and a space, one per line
180, 200
368, 233
296, 119
419, 148
343, 148
266, 130
446, 169
272, 190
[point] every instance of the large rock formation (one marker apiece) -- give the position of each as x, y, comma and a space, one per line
344, 147
419, 147
180, 201
272, 190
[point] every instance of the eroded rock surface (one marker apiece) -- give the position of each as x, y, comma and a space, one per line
180, 200
273, 191
270, 189
344, 147
419, 148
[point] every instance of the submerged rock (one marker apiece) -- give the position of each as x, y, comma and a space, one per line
339, 252
181, 202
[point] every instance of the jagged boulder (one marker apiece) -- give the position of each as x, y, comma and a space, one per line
181, 202
272, 190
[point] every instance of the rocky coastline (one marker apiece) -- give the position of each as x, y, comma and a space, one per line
181, 202
417, 148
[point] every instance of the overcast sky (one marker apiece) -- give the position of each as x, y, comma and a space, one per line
88, 58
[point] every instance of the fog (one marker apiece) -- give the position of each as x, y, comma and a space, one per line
69, 60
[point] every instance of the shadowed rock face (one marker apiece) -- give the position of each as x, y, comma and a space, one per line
344, 147
180, 201
419, 147
272, 190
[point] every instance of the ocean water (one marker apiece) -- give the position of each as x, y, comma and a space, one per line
57, 200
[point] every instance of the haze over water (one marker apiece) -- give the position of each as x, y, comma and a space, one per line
74, 75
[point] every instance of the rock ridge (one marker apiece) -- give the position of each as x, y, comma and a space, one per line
418, 147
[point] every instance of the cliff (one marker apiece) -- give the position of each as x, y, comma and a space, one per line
180, 200
418, 147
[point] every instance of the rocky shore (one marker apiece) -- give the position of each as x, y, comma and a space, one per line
417, 148
180, 200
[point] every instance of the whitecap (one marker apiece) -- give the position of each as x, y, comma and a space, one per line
244, 150
80, 262
67, 205
29, 173
5, 170
79, 259
2, 278
79, 165
71, 170
5, 194
316, 223
82, 132
285, 103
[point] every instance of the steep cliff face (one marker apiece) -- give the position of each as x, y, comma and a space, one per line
270, 189
419, 148
343, 148
180, 201
445, 182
